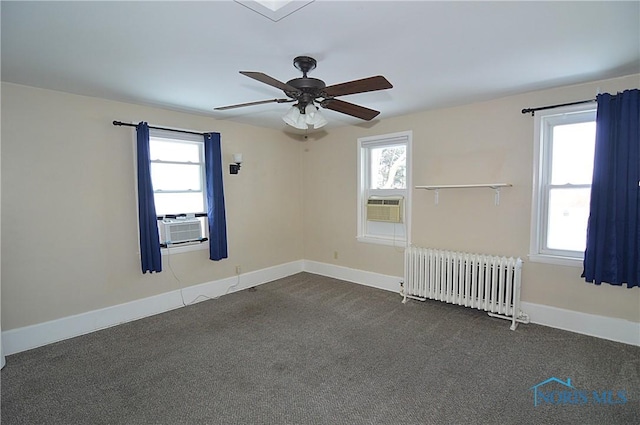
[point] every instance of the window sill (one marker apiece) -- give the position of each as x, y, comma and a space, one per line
556, 260
400, 243
184, 248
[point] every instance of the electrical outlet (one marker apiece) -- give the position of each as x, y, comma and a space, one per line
238, 269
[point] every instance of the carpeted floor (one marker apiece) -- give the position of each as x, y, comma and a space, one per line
313, 350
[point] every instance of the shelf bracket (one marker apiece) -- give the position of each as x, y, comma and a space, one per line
497, 197
437, 192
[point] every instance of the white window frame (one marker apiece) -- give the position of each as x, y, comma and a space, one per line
185, 138
364, 144
543, 124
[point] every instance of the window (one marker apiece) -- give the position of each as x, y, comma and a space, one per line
178, 178
384, 182
563, 168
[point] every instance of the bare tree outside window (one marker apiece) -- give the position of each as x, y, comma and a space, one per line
388, 167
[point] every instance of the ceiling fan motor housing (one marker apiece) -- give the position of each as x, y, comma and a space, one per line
309, 90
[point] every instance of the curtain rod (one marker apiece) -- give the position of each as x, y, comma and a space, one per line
542, 108
159, 128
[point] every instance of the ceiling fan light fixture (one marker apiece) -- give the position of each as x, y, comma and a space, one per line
314, 117
292, 115
295, 119
310, 111
302, 122
319, 120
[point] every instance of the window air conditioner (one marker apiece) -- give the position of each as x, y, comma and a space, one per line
384, 209
173, 231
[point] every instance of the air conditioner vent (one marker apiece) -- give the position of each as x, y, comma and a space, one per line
374, 201
384, 209
174, 231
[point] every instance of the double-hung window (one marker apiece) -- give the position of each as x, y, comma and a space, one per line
384, 182
178, 178
563, 169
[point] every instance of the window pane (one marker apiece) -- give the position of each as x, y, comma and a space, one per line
176, 203
165, 150
388, 167
572, 153
568, 216
175, 176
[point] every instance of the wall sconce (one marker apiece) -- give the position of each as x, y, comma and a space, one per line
237, 159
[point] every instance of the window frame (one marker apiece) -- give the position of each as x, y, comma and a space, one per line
543, 124
363, 187
186, 138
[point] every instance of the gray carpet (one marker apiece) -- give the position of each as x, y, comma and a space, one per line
313, 350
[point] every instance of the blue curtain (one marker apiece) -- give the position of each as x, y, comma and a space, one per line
613, 234
215, 197
149, 240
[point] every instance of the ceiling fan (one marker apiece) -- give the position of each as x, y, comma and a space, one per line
307, 91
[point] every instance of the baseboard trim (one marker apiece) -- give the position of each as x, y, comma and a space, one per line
618, 330
375, 280
28, 337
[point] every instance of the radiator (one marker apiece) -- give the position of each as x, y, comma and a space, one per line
483, 282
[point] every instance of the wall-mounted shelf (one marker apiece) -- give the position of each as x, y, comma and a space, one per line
494, 186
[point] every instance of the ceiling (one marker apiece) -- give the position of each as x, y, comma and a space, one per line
186, 55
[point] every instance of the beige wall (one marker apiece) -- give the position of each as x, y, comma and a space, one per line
69, 218
478, 143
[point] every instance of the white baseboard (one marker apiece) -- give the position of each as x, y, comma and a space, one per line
28, 337
375, 280
610, 328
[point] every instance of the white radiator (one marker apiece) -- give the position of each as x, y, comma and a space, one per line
483, 282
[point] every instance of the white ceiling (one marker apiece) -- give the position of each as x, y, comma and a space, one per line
186, 55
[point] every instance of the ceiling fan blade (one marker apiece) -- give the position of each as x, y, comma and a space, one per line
264, 78
350, 109
259, 102
358, 86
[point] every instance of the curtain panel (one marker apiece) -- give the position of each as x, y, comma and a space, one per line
215, 197
612, 254
150, 255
